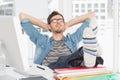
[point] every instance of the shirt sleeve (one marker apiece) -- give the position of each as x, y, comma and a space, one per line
30, 30
77, 35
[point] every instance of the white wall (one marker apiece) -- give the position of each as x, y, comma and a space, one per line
65, 7
37, 8
116, 37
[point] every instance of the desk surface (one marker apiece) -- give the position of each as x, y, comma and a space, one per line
8, 73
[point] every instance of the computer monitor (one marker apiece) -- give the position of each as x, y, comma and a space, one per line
13, 43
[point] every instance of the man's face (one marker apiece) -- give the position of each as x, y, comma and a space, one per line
57, 24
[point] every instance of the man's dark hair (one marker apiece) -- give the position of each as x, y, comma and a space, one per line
54, 13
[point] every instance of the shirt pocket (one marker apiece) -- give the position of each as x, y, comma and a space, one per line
42, 44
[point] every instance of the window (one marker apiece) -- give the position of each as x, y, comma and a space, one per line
96, 10
89, 6
103, 17
89, 10
96, 5
76, 5
82, 10
102, 10
97, 17
76, 10
102, 5
82, 5
8, 12
7, 8
1, 12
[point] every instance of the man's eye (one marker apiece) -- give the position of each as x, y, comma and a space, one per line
57, 20
54, 20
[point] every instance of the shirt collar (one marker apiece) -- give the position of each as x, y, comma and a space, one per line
63, 39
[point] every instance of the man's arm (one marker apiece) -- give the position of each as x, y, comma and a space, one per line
79, 19
33, 20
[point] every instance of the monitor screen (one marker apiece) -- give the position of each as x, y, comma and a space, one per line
13, 43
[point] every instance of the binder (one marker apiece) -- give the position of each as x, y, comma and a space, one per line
98, 77
91, 77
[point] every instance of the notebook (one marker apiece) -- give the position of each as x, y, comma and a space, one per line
69, 70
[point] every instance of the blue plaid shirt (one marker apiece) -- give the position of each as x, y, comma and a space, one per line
44, 43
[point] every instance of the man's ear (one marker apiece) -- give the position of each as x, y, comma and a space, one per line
49, 28
66, 26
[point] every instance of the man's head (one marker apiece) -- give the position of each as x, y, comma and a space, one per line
56, 22
54, 13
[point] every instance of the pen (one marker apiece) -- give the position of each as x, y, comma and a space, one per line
40, 68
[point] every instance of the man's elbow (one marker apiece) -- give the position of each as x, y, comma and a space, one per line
21, 16
92, 14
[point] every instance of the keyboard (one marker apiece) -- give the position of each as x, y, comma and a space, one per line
34, 78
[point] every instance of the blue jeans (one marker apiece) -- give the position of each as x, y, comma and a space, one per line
73, 60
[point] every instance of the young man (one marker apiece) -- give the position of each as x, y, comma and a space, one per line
48, 50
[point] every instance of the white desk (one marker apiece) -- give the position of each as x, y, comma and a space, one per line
7, 73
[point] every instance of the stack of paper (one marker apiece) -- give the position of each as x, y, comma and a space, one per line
85, 73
